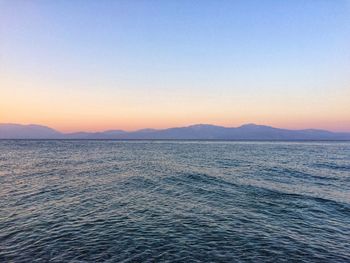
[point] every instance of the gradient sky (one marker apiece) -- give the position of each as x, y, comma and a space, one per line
96, 65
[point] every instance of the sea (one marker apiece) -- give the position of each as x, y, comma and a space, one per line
174, 201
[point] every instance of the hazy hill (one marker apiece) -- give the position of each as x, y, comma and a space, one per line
31, 131
195, 132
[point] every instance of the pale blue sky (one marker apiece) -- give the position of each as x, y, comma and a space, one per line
152, 56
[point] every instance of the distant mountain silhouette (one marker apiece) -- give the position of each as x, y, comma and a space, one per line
111, 134
193, 132
31, 131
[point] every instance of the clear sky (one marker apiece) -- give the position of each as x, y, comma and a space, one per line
96, 65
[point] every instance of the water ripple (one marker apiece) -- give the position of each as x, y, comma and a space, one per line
166, 201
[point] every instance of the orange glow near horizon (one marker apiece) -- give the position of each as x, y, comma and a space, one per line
73, 110
94, 112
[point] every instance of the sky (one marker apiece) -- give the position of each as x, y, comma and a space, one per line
130, 64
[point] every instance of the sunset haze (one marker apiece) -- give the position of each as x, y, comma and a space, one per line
99, 65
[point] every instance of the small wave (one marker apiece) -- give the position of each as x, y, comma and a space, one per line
333, 166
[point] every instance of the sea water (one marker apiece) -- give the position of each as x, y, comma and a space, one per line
174, 201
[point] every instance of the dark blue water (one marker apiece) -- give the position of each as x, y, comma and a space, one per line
149, 201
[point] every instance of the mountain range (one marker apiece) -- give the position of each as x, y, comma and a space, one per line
193, 132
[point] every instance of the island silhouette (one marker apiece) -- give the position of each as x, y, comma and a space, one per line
192, 132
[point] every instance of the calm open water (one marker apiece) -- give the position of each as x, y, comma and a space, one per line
175, 201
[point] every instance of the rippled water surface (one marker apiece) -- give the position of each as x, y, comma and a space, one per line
158, 201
